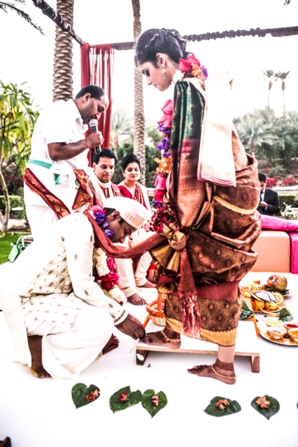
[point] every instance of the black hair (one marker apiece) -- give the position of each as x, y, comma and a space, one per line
105, 152
262, 177
110, 211
129, 158
95, 92
163, 40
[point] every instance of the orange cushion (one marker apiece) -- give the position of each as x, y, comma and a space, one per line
274, 252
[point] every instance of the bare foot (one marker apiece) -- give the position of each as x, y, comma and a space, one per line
165, 338
112, 344
136, 299
36, 369
210, 371
149, 285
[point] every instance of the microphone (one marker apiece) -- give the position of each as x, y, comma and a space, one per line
93, 123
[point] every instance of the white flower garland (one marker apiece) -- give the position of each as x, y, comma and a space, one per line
116, 294
178, 76
100, 262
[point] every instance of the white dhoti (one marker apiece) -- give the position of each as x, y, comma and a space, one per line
67, 352
128, 279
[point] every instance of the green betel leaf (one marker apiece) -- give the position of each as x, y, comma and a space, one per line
246, 312
285, 315
124, 398
81, 395
225, 407
267, 412
153, 402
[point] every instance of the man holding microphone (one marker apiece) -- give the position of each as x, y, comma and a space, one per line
55, 177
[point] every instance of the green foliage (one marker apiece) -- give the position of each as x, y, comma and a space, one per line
154, 135
271, 138
15, 201
17, 119
254, 133
5, 244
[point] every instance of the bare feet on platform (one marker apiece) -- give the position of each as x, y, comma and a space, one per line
136, 300
149, 285
165, 338
36, 369
220, 371
113, 343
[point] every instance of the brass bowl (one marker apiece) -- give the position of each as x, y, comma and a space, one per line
293, 333
273, 322
277, 333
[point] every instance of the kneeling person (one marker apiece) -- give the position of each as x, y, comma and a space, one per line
60, 319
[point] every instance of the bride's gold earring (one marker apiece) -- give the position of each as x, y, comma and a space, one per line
163, 70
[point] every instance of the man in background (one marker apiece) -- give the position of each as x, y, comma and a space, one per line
103, 164
269, 201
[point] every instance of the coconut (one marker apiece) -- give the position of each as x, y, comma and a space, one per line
277, 282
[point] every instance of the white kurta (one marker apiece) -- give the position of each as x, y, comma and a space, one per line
47, 292
60, 122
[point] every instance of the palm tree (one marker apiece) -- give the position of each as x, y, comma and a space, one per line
122, 124
139, 119
268, 75
282, 76
267, 115
63, 58
6, 7
253, 133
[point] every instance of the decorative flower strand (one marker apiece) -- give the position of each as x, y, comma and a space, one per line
104, 265
100, 216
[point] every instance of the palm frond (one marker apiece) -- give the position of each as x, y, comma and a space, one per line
6, 7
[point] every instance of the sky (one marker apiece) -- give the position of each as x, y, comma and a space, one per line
27, 56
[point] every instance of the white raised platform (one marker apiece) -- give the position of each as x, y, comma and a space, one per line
246, 345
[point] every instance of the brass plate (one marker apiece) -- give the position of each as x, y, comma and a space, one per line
283, 341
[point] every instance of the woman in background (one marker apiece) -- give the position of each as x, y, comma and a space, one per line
130, 187
134, 275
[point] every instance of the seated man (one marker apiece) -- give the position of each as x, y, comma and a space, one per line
269, 202
131, 276
60, 319
103, 164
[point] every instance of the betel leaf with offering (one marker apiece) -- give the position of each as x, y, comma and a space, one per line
83, 395
246, 312
221, 406
266, 405
154, 402
124, 398
271, 289
285, 315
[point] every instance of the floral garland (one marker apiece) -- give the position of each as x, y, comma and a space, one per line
105, 270
187, 68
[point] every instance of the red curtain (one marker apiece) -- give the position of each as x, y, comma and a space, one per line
97, 62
